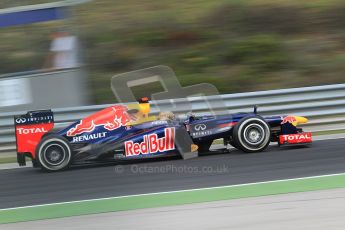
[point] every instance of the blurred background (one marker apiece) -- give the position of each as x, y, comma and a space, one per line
238, 46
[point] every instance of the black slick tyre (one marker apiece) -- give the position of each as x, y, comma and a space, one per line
54, 153
252, 134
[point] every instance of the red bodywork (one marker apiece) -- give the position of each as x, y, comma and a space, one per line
28, 137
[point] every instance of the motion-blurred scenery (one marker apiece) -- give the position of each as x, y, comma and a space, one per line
238, 46
96, 132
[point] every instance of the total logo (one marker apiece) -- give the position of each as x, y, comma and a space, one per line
27, 131
152, 144
296, 138
89, 137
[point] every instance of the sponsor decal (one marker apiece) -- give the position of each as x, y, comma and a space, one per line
89, 137
289, 119
25, 120
44, 118
202, 133
21, 120
110, 118
296, 138
28, 136
27, 131
200, 127
159, 122
152, 144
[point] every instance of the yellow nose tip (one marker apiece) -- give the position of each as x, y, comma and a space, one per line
301, 120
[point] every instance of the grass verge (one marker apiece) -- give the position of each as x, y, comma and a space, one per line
7, 160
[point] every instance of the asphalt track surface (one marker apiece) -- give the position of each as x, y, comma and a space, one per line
27, 186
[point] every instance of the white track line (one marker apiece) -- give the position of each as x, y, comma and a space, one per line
177, 191
329, 137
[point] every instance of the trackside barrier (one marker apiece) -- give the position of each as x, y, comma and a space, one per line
323, 105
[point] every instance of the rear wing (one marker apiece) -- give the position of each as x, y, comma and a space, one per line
29, 129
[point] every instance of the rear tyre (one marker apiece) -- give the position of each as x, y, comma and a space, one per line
54, 153
252, 134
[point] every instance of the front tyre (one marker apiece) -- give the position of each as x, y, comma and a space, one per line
54, 153
252, 134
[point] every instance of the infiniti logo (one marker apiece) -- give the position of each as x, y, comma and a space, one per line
200, 127
20, 120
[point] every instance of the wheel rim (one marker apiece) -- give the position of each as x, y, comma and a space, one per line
54, 154
254, 134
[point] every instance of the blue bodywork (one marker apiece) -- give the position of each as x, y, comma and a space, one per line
104, 144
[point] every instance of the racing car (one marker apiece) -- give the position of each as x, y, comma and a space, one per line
129, 132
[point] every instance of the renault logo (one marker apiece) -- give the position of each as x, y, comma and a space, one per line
200, 127
21, 120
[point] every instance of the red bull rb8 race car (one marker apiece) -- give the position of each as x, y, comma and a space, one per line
129, 132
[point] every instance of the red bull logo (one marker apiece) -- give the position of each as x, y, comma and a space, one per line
289, 119
110, 118
152, 144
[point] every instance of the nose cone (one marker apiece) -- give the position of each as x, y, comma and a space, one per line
301, 120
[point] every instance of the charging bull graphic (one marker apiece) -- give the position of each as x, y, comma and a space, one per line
294, 120
110, 118
289, 119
